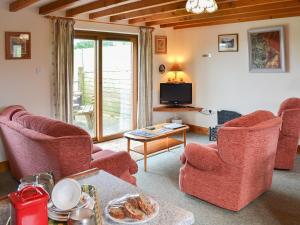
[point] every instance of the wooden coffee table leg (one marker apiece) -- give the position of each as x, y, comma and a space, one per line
128, 145
184, 138
145, 156
168, 144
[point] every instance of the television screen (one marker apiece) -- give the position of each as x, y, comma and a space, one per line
175, 94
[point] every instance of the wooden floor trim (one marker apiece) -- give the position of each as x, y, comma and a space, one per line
4, 166
198, 130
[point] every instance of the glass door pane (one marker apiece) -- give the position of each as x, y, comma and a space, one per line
117, 87
84, 88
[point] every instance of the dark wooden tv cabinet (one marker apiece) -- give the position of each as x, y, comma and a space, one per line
177, 109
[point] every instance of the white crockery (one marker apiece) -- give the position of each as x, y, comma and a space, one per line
66, 194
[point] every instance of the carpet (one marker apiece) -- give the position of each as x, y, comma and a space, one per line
278, 206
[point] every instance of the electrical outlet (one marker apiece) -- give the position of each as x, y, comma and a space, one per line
207, 111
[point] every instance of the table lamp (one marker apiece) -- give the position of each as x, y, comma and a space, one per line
175, 69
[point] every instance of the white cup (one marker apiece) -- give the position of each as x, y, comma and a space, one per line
66, 194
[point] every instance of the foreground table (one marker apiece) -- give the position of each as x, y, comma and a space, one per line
110, 187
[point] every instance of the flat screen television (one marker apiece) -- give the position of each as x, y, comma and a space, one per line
175, 94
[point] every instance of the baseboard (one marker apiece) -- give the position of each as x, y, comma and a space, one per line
4, 166
198, 130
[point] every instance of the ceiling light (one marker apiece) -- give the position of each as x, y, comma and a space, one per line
201, 6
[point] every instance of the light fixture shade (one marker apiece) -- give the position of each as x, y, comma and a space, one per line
201, 6
176, 68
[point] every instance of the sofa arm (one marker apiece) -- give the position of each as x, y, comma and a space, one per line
114, 162
202, 157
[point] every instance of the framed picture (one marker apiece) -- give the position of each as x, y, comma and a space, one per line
17, 45
267, 50
228, 43
161, 45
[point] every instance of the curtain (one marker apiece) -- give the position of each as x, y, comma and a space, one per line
63, 35
145, 81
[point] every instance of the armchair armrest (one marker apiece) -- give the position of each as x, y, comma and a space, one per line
114, 162
202, 157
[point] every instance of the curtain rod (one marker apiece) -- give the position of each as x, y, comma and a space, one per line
93, 21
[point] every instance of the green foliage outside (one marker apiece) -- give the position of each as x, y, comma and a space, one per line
85, 44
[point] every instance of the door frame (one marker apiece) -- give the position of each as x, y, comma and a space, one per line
99, 37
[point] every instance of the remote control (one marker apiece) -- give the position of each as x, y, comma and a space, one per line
150, 128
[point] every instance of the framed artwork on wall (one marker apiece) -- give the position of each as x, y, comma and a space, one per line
17, 45
161, 44
228, 43
267, 50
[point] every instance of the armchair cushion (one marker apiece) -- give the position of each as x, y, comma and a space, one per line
290, 103
113, 162
96, 149
202, 157
290, 123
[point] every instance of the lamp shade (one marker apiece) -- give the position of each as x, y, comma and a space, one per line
175, 68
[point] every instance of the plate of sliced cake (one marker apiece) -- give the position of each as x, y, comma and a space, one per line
132, 209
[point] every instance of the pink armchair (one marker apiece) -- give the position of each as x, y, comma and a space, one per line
238, 168
289, 135
37, 144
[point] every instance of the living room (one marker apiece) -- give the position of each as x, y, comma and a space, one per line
223, 79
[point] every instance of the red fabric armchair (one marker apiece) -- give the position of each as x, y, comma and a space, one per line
289, 135
238, 168
37, 144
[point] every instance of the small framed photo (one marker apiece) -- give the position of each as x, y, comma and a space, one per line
161, 44
17, 45
267, 50
228, 43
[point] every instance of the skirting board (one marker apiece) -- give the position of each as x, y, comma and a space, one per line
198, 130
4, 166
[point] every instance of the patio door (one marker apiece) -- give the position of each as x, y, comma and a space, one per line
118, 87
109, 87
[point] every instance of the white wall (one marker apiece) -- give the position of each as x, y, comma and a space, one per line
19, 81
224, 81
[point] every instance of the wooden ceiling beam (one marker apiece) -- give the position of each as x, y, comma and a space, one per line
129, 7
177, 13
149, 11
276, 7
237, 13
92, 6
56, 5
155, 20
20, 4
167, 15
242, 19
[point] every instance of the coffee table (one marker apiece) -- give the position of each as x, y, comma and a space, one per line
110, 187
156, 144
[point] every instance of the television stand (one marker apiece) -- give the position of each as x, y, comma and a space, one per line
177, 108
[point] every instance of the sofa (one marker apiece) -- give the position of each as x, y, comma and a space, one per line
35, 144
238, 168
289, 135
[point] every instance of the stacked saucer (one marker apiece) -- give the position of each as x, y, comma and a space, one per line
56, 214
